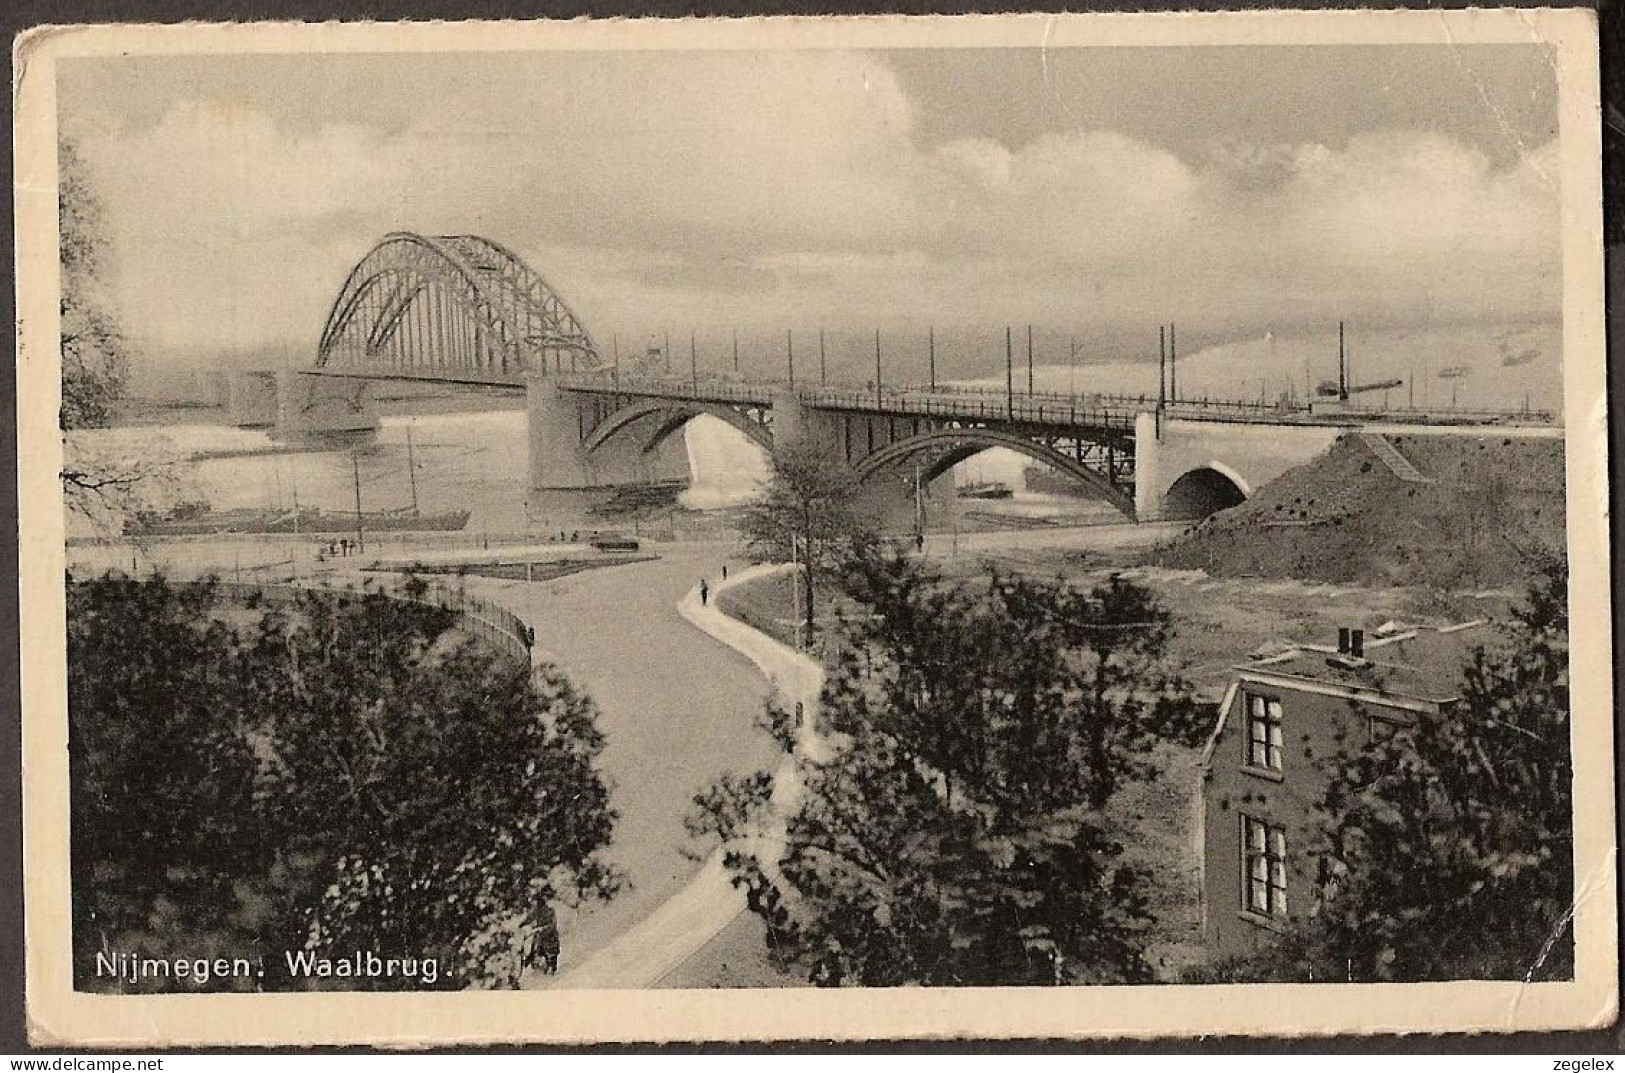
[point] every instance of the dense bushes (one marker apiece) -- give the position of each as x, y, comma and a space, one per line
342, 774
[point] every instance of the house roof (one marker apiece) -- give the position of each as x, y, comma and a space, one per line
1424, 663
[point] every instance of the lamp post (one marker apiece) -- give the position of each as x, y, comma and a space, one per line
877, 368
1009, 376
931, 351
1029, 361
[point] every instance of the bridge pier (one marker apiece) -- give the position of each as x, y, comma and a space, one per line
294, 404
251, 399
315, 404
1147, 467
795, 424
557, 461
556, 421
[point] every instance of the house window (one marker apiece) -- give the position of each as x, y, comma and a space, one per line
1263, 731
1263, 853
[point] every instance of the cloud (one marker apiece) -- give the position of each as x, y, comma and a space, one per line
788, 188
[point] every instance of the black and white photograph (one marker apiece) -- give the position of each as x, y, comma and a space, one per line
811, 524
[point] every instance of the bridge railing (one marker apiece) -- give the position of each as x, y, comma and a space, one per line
1060, 411
1446, 415
702, 389
1138, 402
1082, 398
1039, 407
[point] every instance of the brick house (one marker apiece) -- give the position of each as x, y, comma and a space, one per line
1282, 718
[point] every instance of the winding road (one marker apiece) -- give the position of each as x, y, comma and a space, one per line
677, 708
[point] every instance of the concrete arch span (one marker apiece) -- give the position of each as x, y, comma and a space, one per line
949, 447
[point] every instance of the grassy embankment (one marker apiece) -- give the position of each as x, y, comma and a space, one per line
1490, 504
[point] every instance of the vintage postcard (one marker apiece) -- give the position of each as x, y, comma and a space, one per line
821, 528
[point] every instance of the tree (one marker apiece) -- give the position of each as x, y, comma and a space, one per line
346, 773
952, 830
455, 797
101, 482
1450, 847
108, 478
807, 514
161, 774
95, 367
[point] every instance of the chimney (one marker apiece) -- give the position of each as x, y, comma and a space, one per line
1342, 640
1357, 644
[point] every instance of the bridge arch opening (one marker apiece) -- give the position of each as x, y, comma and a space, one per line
728, 454
727, 466
941, 451
1203, 491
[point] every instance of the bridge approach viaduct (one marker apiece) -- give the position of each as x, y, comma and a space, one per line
463, 310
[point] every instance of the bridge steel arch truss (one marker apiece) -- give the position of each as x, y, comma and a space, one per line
602, 416
453, 307
1100, 459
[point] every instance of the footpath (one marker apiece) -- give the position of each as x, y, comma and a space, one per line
685, 922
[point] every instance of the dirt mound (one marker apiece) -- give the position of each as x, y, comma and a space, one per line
1484, 506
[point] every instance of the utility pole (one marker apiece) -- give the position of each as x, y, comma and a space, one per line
1162, 367
1342, 368
1029, 361
411, 472
693, 364
1173, 365
360, 530
877, 368
931, 344
736, 351
1009, 376
615, 370
790, 357
665, 353
823, 373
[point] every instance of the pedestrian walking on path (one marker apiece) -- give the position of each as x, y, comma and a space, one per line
724, 571
705, 592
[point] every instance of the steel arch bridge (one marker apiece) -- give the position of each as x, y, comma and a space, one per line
458, 308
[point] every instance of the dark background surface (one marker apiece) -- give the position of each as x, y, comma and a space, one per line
16, 15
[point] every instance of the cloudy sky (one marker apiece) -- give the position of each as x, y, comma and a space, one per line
1094, 191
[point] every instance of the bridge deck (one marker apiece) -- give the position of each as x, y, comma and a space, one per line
1053, 409
411, 374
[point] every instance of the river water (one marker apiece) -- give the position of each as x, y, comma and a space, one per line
472, 461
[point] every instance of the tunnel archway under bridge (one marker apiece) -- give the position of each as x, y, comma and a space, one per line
1203, 491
